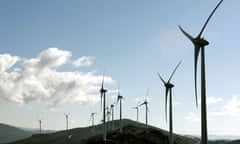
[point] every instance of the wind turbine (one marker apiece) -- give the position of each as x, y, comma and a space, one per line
66, 115
108, 118
199, 45
168, 85
119, 99
92, 118
40, 125
103, 97
137, 110
146, 106
112, 111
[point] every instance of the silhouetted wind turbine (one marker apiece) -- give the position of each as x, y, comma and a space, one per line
119, 99
66, 115
168, 85
103, 96
112, 111
137, 110
92, 118
199, 44
146, 106
40, 125
108, 118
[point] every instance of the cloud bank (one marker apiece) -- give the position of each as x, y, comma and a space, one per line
38, 79
230, 108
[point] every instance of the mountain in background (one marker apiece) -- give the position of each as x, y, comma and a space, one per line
11, 133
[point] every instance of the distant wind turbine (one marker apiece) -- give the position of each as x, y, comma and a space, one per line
137, 110
119, 99
168, 85
40, 125
93, 119
66, 115
103, 97
199, 45
146, 106
112, 111
108, 118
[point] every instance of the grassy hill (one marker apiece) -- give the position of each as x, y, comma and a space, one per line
133, 132
9, 133
139, 135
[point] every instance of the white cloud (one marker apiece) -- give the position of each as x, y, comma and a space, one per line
39, 80
7, 61
233, 106
213, 100
230, 108
83, 61
50, 58
192, 117
210, 100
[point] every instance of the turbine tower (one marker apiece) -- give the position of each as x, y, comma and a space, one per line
137, 110
108, 118
92, 118
119, 99
112, 111
66, 115
168, 85
103, 97
146, 106
199, 45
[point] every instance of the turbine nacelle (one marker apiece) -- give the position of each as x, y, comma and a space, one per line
102, 90
112, 106
201, 42
169, 85
119, 98
144, 103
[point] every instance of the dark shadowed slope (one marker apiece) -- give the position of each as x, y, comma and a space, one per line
140, 135
9, 133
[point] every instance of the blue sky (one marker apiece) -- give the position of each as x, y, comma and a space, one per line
53, 54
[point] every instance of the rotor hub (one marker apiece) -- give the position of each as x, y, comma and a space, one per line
102, 90
201, 42
169, 85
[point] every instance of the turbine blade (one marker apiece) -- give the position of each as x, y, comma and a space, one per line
118, 99
186, 34
102, 88
142, 103
166, 96
196, 54
174, 71
101, 101
161, 78
103, 79
204, 26
146, 94
118, 88
90, 117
